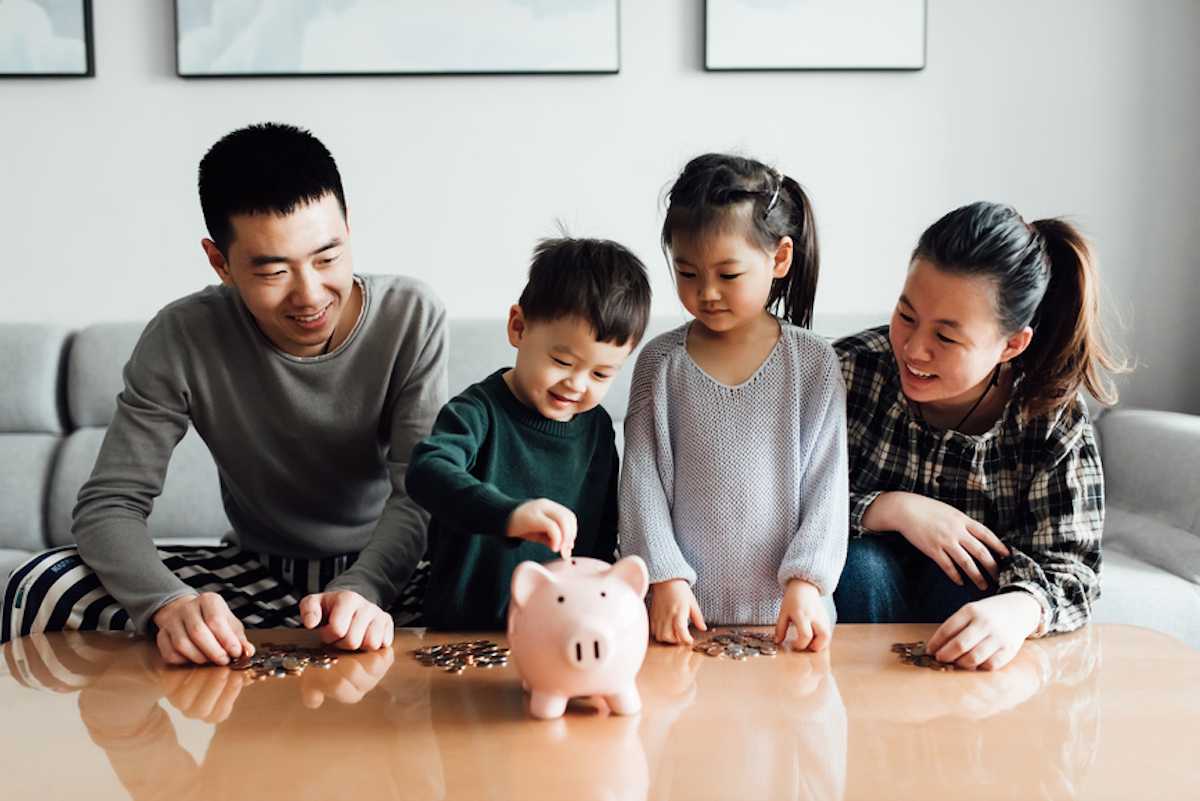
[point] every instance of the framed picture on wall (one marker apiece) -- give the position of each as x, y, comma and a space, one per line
46, 39
814, 34
228, 38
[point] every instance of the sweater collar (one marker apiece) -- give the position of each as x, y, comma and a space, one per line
531, 418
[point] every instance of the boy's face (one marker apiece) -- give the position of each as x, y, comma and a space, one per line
293, 272
561, 369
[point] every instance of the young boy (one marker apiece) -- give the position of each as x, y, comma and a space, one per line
524, 464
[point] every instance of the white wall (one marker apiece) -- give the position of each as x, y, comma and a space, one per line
1080, 107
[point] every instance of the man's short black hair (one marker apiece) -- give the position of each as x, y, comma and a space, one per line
596, 280
269, 168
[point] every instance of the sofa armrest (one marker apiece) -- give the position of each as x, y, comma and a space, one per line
1152, 487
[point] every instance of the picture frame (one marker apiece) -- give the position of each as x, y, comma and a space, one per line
46, 39
255, 38
801, 35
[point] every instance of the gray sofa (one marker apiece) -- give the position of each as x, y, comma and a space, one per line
58, 395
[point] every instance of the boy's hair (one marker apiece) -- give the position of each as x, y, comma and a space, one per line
595, 280
719, 192
268, 168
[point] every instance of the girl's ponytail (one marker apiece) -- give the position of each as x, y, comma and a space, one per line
1069, 349
792, 296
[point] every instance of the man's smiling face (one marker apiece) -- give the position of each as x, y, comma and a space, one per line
293, 271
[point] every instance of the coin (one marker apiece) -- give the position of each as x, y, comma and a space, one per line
456, 657
915, 653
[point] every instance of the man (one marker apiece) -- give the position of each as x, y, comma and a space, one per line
310, 386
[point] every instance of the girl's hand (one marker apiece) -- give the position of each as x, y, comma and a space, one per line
986, 634
672, 605
802, 608
947, 536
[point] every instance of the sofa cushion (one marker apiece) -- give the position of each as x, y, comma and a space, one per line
95, 369
1138, 594
189, 508
26, 461
31, 363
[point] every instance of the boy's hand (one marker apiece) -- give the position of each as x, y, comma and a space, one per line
200, 629
952, 539
802, 608
672, 605
988, 633
542, 520
351, 621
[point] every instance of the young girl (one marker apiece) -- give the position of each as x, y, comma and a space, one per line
969, 437
733, 485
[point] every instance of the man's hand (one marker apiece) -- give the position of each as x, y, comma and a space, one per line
200, 629
351, 622
542, 520
672, 605
988, 633
802, 608
952, 539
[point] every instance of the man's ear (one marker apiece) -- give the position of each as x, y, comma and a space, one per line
516, 325
1016, 344
783, 257
216, 260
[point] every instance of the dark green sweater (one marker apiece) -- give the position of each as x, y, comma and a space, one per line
488, 454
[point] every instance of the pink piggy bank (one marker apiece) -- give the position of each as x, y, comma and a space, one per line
579, 627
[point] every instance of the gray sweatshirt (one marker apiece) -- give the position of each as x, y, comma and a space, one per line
311, 452
737, 489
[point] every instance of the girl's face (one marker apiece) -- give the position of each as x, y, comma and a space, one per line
724, 279
946, 336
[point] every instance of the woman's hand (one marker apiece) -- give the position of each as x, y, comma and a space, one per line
986, 634
672, 605
953, 540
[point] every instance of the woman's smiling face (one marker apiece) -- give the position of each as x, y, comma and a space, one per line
946, 336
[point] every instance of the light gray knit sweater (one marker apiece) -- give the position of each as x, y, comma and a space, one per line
737, 489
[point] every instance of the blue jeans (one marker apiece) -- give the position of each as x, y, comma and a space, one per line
887, 580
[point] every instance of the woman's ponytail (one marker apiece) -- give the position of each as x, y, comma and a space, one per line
1069, 349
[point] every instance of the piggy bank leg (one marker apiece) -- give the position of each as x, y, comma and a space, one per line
626, 702
547, 705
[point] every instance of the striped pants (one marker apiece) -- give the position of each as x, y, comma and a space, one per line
56, 591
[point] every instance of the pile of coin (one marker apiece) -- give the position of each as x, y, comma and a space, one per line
456, 657
274, 660
914, 653
738, 645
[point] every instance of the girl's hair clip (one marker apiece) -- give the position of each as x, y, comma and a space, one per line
774, 197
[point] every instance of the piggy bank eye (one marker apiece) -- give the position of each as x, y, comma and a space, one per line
560, 599
603, 594
573, 562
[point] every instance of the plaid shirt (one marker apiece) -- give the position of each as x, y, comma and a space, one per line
1036, 483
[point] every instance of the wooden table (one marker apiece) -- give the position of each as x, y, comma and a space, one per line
1108, 712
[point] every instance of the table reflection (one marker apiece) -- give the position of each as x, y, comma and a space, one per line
1029, 731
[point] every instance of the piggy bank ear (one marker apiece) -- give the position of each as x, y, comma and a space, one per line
526, 578
632, 570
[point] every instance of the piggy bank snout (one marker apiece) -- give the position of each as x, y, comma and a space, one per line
588, 647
